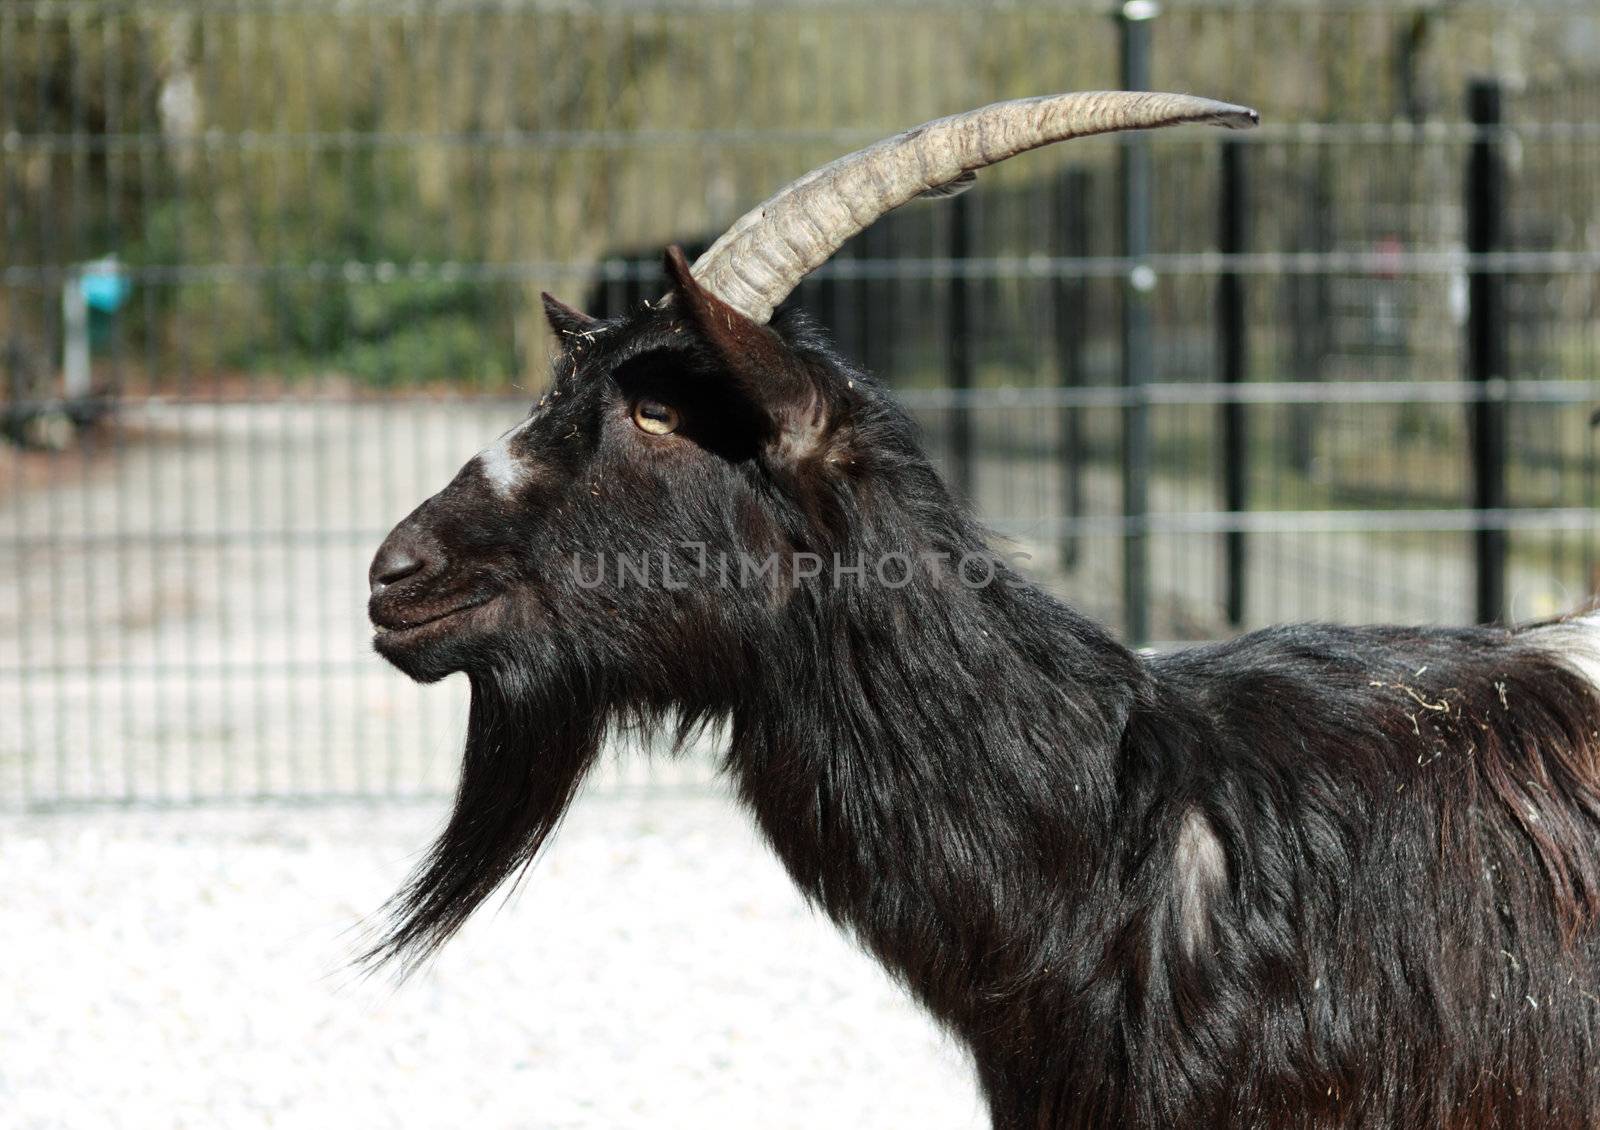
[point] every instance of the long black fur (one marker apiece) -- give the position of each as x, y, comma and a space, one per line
1316, 876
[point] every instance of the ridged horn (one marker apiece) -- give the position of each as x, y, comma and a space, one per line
761, 259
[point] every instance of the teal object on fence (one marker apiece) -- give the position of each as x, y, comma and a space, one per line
105, 289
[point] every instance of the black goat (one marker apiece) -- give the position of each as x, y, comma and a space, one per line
1316, 876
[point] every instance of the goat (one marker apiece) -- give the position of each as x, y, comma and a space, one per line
1315, 876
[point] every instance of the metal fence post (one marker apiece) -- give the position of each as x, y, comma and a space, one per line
960, 354
879, 298
1486, 339
1069, 296
1234, 363
1310, 309
1137, 362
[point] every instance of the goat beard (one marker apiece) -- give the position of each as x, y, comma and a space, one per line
527, 751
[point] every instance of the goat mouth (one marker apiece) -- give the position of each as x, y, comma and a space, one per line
389, 628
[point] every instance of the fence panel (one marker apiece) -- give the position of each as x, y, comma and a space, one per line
269, 273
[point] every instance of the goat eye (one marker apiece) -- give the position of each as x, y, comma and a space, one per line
655, 417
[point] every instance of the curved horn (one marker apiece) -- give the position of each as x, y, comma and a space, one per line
761, 259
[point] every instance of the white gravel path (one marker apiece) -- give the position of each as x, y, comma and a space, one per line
188, 969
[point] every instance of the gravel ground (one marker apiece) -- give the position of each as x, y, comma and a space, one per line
189, 968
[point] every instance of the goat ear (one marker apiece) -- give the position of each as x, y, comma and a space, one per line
759, 361
565, 320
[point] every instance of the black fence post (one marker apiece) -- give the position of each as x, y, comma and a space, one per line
1310, 307
960, 354
1069, 296
1486, 340
848, 312
1137, 361
879, 303
1234, 363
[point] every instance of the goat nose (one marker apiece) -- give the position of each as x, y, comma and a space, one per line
394, 562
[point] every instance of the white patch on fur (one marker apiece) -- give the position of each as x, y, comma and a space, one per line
1200, 872
1576, 643
504, 472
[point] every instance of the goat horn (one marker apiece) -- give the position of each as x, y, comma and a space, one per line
761, 259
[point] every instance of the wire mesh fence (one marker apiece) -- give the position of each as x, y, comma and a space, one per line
269, 274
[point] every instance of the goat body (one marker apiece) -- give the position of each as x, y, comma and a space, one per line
1315, 876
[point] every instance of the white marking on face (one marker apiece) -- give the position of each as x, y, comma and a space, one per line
1200, 871
503, 470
